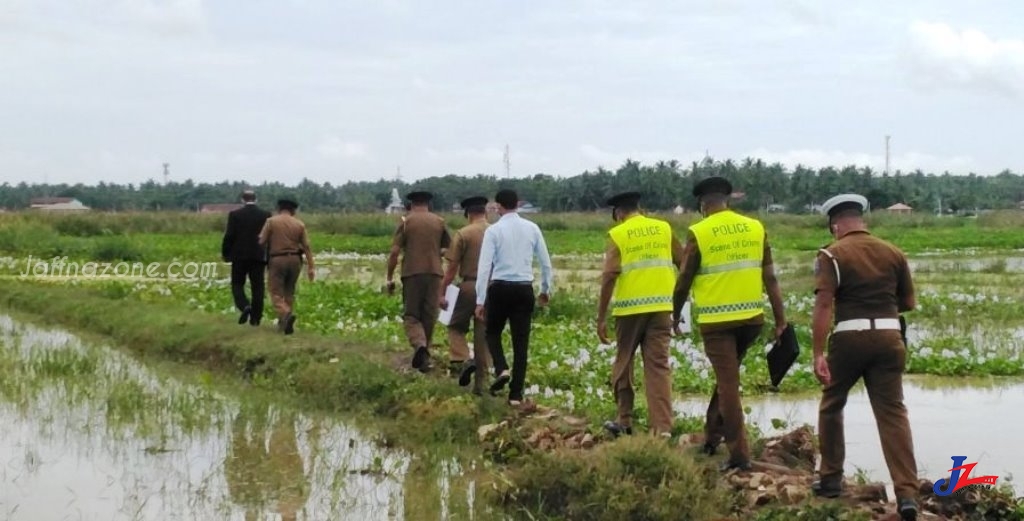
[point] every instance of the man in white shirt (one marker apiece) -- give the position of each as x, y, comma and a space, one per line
504, 289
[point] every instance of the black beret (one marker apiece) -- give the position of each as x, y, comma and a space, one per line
713, 185
420, 197
287, 203
476, 203
623, 198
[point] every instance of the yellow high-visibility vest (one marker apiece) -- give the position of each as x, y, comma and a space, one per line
648, 277
728, 285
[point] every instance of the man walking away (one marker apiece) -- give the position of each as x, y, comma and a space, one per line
421, 237
868, 281
242, 249
504, 289
640, 266
463, 257
729, 265
287, 242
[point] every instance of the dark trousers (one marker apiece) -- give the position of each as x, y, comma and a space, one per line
725, 350
879, 357
254, 272
510, 302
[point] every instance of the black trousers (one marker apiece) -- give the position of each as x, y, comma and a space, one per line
511, 302
253, 271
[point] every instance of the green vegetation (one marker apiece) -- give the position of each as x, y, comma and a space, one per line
665, 184
349, 355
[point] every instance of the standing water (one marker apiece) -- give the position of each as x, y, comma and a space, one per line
88, 433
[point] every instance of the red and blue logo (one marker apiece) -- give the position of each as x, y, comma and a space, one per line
961, 477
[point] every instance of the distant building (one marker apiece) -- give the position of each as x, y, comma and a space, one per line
528, 207
219, 207
899, 208
679, 210
57, 204
776, 208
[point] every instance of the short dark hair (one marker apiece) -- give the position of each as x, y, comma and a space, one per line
248, 195
508, 199
714, 198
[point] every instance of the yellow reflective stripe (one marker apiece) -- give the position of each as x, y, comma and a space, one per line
732, 266
650, 263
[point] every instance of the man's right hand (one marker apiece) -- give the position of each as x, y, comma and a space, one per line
391, 287
442, 302
821, 370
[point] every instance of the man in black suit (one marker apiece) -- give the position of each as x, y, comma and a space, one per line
248, 260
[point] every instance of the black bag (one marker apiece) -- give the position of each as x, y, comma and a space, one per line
782, 354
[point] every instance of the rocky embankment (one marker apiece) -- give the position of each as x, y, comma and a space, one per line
781, 476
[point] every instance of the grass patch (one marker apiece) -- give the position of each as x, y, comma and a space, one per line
636, 478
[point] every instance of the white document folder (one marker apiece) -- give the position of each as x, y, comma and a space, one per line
684, 326
451, 294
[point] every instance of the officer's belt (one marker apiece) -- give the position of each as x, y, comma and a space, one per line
468, 279
286, 253
863, 324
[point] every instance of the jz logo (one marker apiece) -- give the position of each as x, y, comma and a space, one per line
960, 478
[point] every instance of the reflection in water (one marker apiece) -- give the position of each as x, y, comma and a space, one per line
265, 472
90, 434
979, 419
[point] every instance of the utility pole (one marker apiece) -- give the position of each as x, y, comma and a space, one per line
398, 173
508, 162
887, 154
167, 172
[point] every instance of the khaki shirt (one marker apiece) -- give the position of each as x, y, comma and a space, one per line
422, 236
874, 277
285, 234
465, 249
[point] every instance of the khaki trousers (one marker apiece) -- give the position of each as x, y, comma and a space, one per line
652, 332
725, 350
878, 356
462, 316
282, 276
419, 296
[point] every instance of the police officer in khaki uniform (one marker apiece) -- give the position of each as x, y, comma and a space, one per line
420, 237
729, 266
640, 269
868, 281
463, 257
286, 241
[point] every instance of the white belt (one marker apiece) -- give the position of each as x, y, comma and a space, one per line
862, 324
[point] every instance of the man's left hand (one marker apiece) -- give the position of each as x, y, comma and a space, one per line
543, 299
480, 313
311, 273
602, 331
780, 327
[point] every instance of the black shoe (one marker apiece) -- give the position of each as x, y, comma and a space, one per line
421, 359
500, 382
289, 324
616, 429
826, 488
709, 449
244, 317
727, 466
466, 375
907, 509
254, 320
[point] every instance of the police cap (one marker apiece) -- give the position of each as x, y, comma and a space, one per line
623, 198
420, 197
476, 204
712, 185
843, 202
287, 203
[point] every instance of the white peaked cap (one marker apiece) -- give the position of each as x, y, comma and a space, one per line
840, 199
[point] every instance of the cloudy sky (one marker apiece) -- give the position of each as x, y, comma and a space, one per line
338, 90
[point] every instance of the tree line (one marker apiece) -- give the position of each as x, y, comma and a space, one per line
665, 185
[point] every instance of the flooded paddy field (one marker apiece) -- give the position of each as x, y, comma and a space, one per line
88, 433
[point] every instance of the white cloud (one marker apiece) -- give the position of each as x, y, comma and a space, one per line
335, 147
905, 162
942, 56
611, 160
